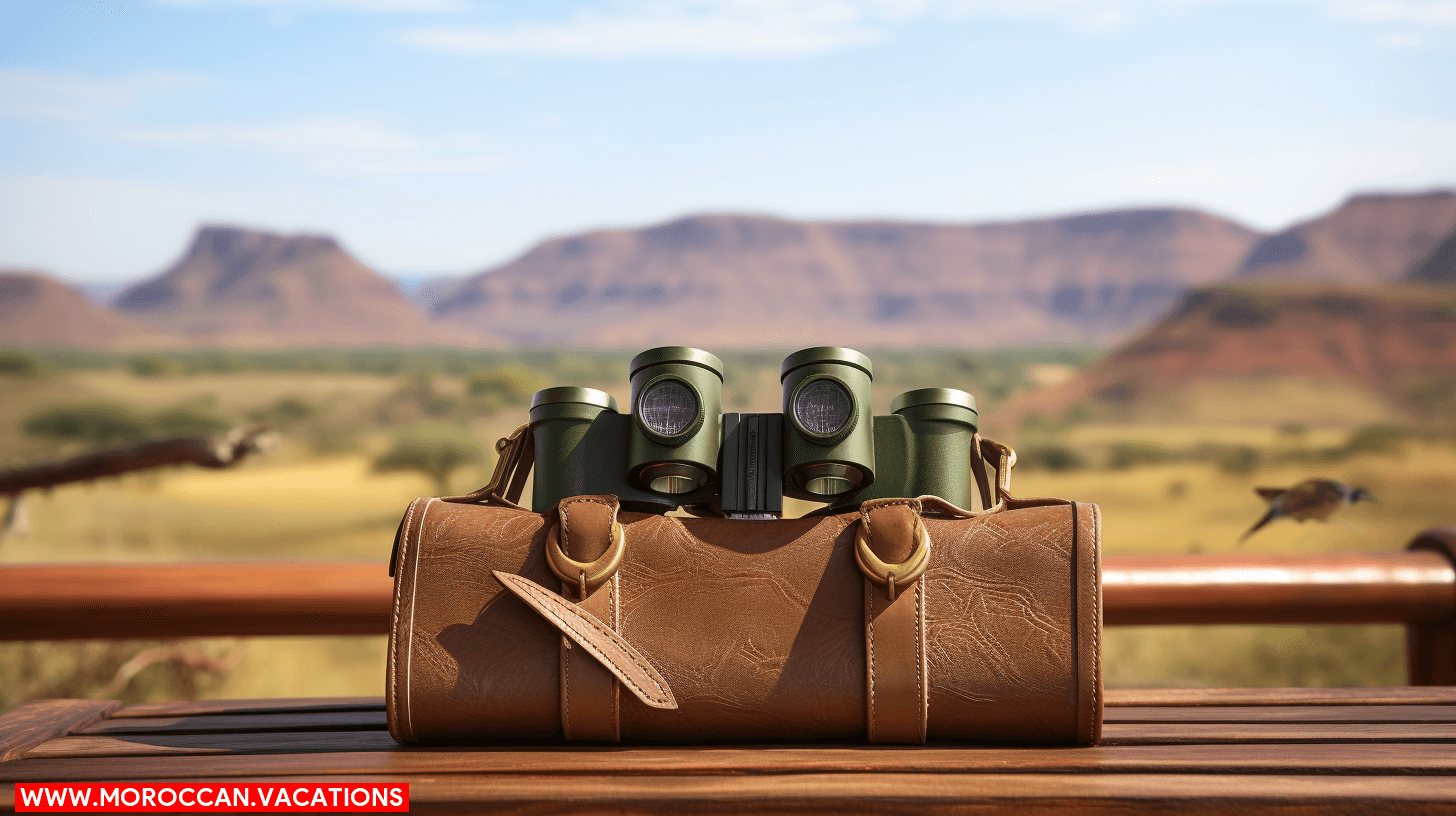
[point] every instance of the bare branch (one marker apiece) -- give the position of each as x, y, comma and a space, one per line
216, 452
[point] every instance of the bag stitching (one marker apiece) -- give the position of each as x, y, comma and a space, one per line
616, 699
394, 617
410, 650
870, 622
565, 688
921, 701
1096, 623
612, 636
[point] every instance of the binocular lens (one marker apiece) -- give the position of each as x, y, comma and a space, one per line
668, 407
823, 407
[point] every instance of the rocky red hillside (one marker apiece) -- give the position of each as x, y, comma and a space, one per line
39, 311
735, 281
245, 288
1395, 342
1439, 266
1369, 239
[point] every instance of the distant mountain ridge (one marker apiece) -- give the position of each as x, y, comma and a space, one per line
1369, 239
737, 280
248, 288
39, 311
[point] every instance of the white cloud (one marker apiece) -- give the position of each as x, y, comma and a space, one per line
727, 27
298, 136
1434, 13
337, 146
372, 6
715, 28
54, 96
104, 108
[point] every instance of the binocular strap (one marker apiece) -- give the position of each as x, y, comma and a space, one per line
897, 692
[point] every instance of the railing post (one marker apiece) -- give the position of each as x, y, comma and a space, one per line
1430, 646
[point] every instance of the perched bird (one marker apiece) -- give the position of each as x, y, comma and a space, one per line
1310, 499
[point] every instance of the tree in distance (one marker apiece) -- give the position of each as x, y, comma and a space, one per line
435, 454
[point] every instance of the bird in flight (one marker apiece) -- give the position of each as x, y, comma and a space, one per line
1316, 499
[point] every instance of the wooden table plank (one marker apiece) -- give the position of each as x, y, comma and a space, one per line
191, 708
1121, 734
243, 723
1389, 695
1315, 758
1304, 714
350, 720
30, 724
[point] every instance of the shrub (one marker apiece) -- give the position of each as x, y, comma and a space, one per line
21, 364
152, 365
1123, 455
1239, 460
434, 455
509, 384
1377, 439
188, 421
1056, 458
99, 423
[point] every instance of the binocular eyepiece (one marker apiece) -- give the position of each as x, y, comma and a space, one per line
677, 448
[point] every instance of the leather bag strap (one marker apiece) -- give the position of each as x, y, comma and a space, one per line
515, 454
1003, 458
892, 539
595, 638
591, 541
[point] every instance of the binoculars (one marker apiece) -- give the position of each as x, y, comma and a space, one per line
676, 448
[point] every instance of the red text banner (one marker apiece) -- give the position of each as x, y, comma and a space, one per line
210, 798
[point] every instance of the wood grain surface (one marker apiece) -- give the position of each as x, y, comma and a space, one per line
31, 724
1358, 751
1388, 695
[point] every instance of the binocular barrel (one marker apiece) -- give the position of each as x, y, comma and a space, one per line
561, 418
829, 447
677, 448
677, 410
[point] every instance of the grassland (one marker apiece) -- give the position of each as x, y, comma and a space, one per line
317, 497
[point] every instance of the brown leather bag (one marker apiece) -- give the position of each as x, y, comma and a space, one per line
911, 619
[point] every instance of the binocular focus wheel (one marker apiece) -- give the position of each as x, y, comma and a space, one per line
890, 576
585, 576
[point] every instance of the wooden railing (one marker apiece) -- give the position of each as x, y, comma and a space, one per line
1416, 587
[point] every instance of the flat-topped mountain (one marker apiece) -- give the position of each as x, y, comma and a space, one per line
238, 287
38, 311
741, 281
1366, 240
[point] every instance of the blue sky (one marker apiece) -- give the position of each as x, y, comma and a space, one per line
444, 136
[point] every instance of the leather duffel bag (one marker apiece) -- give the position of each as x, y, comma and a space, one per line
905, 620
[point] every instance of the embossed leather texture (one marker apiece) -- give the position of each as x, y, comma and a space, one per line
759, 628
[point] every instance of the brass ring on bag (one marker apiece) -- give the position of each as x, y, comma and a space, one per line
588, 575
888, 575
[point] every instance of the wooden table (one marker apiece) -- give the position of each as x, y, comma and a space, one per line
1386, 750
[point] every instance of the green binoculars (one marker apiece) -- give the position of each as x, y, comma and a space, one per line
676, 448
